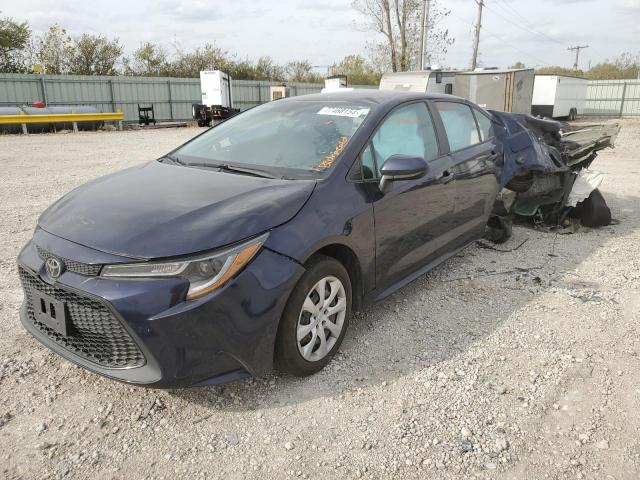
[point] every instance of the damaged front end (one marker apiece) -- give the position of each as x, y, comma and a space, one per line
545, 176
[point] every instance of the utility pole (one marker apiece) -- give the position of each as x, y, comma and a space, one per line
476, 41
426, 7
577, 50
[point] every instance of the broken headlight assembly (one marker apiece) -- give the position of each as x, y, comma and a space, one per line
205, 273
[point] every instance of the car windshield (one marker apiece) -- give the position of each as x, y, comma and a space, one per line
292, 139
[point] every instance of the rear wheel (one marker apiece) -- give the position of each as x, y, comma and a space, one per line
315, 319
499, 228
521, 183
593, 212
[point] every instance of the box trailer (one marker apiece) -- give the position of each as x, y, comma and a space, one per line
503, 90
276, 92
424, 81
557, 96
217, 98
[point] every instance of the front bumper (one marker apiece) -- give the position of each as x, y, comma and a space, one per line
224, 336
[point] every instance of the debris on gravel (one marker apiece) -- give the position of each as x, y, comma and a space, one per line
496, 365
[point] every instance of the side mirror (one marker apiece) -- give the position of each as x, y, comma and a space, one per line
401, 167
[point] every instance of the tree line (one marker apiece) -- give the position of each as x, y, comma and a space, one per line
624, 67
397, 24
58, 52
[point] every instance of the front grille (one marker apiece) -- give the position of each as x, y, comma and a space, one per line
95, 333
72, 265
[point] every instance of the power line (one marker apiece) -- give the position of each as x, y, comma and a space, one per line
509, 9
505, 5
504, 42
524, 27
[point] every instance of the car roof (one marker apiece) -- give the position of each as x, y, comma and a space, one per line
369, 96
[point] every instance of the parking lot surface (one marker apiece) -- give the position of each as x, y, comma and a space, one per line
506, 364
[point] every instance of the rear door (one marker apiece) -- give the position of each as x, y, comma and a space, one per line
413, 218
473, 151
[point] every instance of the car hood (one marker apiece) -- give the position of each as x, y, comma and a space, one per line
161, 210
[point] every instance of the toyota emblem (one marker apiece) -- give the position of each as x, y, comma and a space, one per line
54, 267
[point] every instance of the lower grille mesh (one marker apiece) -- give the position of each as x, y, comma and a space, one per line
96, 334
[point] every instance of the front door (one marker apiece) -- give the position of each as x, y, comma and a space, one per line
413, 218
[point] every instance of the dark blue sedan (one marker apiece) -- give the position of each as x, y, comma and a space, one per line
251, 244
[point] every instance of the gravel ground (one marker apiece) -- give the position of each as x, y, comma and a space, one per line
496, 365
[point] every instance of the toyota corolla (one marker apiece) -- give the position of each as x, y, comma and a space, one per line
250, 245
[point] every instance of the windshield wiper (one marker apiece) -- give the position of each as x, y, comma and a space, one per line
223, 167
249, 171
173, 159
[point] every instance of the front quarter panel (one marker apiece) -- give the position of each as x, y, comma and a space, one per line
338, 212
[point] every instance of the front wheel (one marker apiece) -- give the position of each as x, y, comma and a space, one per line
315, 319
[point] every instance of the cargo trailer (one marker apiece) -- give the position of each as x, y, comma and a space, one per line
423, 81
559, 96
508, 90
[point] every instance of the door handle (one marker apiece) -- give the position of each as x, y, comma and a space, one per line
445, 177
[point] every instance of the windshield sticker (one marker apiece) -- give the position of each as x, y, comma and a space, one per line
329, 159
344, 112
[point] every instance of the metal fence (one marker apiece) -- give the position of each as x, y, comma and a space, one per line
613, 98
171, 97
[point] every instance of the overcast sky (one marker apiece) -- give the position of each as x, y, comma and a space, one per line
535, 32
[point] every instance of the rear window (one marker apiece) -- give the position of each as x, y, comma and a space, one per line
484, 124
459, 124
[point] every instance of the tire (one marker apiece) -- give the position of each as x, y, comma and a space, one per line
310, 354
521, 183
593, 212
498, 229
203, 123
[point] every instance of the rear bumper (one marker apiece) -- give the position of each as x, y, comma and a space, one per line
224, 336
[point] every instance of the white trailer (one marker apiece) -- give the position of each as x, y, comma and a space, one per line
217, 98
557, 96
336, 83
423, 81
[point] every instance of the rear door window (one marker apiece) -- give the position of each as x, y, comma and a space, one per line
459, 124
484, 124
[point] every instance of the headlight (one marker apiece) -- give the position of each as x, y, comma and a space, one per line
204, 272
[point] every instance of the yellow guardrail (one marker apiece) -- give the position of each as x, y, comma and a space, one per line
60, 118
